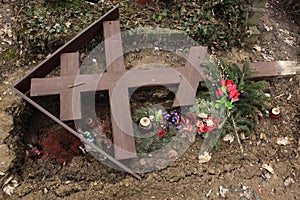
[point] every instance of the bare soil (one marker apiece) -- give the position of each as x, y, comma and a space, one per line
228, 175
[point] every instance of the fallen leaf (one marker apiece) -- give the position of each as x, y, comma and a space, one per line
223, 191
268, 168
288, 182
204, 158
8, 189
228, 137
284, 140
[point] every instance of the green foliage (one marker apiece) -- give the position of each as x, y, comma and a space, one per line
218, 24
246, 109
43, 26
243, 114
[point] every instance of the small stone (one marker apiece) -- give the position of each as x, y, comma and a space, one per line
45, 190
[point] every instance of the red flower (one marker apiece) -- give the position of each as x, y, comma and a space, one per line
161, 133
231, 87
229, 82
233, 93
236, 97
219, 92
223, 82
203, 129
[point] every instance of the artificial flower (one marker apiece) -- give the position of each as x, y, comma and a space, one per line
223, 82
231, 87
229, 82
219, 93
161, 133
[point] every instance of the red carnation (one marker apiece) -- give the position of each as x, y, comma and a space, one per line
161, 133
236, 97
233, 93
229, 82
231, 87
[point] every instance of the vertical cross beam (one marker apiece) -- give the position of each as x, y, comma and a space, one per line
70, 102
123, 134
185, 95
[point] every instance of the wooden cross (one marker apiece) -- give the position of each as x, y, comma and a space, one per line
117, 80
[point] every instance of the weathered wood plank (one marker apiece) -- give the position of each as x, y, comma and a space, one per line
274, 69
123, 134
96, 82
113, 46
186, 92
69, 64
123, 138
70, 101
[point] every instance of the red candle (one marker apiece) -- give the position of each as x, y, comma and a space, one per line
275, 113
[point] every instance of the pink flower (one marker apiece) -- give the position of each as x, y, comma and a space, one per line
219, 93
161, 133
199, 124
189, 127
223, 82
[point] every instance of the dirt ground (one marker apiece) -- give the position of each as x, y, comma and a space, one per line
269, 168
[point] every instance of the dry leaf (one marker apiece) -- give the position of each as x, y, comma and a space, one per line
284, 140
228, 137
204, 158
268, 168
9, 189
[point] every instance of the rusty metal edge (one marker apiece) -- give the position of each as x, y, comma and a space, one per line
119, 164
74, 44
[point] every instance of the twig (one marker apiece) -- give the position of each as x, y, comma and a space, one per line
236, 135
76, 84
279, 96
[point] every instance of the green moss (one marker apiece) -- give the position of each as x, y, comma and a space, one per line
9, 55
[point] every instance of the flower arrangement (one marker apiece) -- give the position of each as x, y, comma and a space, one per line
161, 126
238, 99
226, 94
234, 105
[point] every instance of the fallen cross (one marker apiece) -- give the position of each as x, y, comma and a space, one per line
117, 80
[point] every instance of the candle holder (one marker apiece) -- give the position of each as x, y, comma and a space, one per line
275, 113
145, 125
